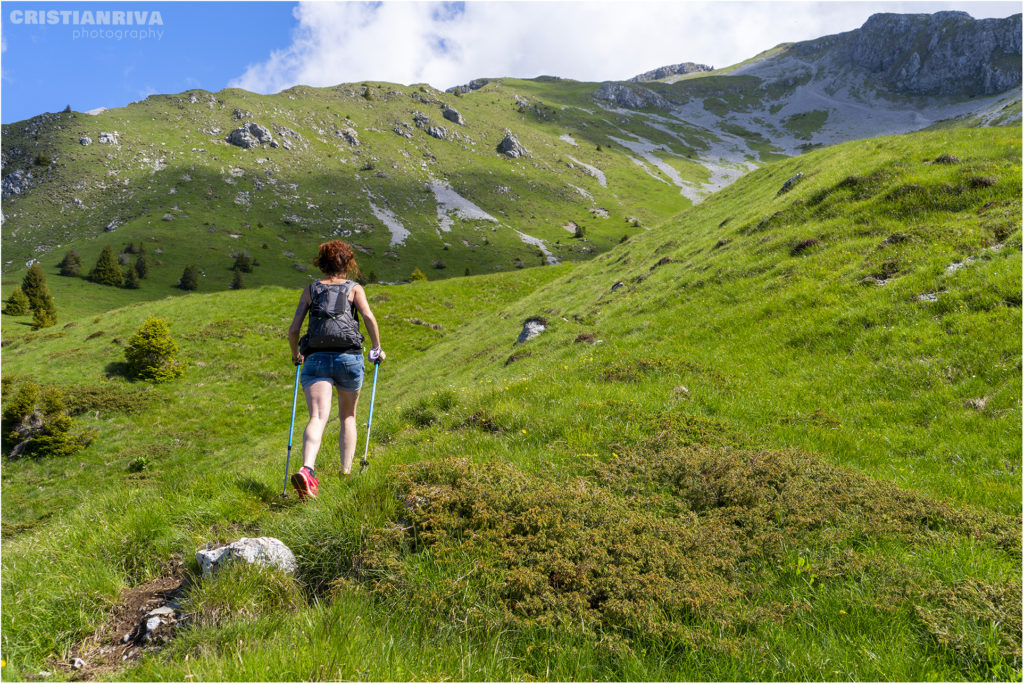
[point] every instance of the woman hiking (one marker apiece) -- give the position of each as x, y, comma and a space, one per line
331, 355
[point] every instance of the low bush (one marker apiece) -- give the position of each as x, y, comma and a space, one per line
36, 423
150, 353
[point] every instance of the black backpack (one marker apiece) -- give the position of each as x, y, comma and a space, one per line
333, 322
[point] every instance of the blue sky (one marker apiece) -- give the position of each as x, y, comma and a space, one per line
269, 46
203, 45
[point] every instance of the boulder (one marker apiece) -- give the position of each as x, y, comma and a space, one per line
510, 146
249, 135
453, 115
420, 119
439, 132
85, 140
264, 551
241, 138
350, 136
110, 138
788, 185
531, 328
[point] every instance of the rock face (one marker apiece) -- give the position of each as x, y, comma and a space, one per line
453, 115
16, 183
250, 135
265, 551
946, 53
510, 146
350, 136
531, 328
671, 70
630, 97
475, 84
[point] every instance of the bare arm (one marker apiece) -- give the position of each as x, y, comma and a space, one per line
364, 308
295, 329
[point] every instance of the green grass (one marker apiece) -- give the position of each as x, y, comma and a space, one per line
817, 503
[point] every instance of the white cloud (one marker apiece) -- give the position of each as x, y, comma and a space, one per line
448, 44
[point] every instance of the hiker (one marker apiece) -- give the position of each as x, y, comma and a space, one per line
331, 355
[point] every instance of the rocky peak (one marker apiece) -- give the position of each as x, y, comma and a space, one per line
946, 53
671, 70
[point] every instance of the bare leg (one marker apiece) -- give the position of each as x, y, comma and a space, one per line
347, 437
318, 399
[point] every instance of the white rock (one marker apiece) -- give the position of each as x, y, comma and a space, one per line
162, 610
265, 551
531, 328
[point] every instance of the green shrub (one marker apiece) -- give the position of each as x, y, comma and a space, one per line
150, 352
189, 278
107, 270
418, 276
36, 423
71, 264
41, 318
17, 304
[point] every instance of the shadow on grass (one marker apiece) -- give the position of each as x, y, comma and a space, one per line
118, 369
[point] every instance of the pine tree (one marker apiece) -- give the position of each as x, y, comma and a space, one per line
372, 278
142, 266
107, 271
34, 286
43, 319
71, 265
243, 262
237, 283
189, 278
418, 275
150, 352
131, 278
17, 304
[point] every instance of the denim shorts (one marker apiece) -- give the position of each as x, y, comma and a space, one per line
344, 371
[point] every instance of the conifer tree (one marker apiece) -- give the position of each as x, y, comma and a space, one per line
189, 278
150, 352
34, 286
42, 318
237, 283
243, 262
107, 271
142, 266
71, 265
131, 278
17, 304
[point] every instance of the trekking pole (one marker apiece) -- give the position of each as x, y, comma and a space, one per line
291, 430
369, 423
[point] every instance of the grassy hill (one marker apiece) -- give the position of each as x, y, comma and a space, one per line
778, 437
172, 181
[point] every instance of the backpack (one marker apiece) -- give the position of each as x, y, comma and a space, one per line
332, 325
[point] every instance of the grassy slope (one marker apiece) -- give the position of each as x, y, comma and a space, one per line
324, 182
777, 350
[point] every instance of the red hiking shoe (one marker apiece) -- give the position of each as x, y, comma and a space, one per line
305, 484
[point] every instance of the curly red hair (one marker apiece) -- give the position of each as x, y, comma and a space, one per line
337, 258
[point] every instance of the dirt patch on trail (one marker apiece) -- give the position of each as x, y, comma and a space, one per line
125, 636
